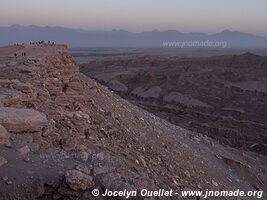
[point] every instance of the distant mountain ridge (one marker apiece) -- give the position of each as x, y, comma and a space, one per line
121, 38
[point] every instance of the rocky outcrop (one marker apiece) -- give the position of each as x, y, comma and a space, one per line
79, 180
22, 120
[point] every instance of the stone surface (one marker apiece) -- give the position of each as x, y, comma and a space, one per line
3, 161
22, 120
8, 95
24, 87
78, 180
24, 150
83, 156
69, 143
4, 135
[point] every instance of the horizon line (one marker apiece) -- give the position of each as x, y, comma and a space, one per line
154, 30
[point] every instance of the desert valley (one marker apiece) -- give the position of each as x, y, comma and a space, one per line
138, 100
63, 135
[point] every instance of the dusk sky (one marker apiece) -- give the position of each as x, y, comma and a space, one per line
140, 15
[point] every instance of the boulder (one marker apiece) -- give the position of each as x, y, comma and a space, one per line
3, 161
24, 150
24, 87
68, 143
4, 135
83, 156
78, 180
22, 120
80, 120
9, 95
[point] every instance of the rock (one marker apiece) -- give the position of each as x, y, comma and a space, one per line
69, 143
12, 63
4, 135
25, 88
82, 148
4, 82
81, 121
3, 161
65, 190
78, 180
27, 159
9, 182
57, 196
83, 156
10, 96
47, 132
22, 120
187, 173
24, 150
83, 169
108, 179
214, 183
39, 188
113, 181
143, 161
79, 115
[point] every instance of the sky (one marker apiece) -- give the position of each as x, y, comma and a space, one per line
207, 16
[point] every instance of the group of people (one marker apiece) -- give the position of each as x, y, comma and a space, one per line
34, 43
42, 42
22, 54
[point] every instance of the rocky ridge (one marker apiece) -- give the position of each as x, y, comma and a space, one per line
62, 135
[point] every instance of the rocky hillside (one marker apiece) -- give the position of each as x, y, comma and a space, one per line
63, 135
223, 97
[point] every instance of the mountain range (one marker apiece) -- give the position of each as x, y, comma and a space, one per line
121, 38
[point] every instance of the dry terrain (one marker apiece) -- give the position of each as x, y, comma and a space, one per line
223, 97
62, 134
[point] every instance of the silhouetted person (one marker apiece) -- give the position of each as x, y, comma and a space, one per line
15, 55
